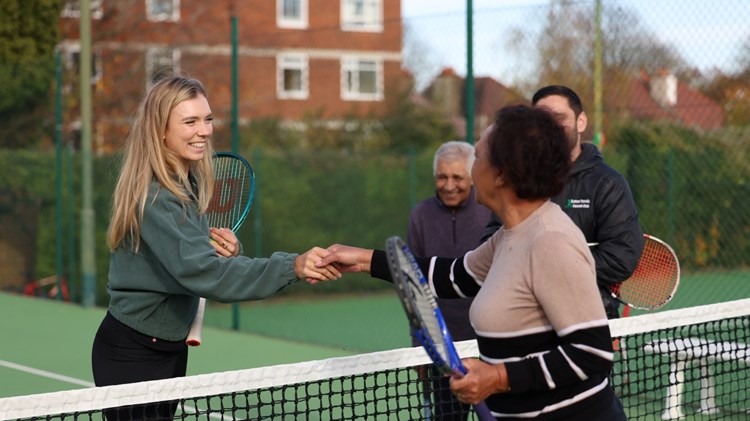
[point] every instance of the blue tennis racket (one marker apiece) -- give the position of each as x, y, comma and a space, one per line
424, 316
234, 189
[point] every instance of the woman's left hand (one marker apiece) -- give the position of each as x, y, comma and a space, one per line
480, 381
225, 242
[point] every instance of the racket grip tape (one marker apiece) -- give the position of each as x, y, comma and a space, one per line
194, 336
482, 410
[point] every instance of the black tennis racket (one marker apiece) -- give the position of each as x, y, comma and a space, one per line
425, 318
234, 189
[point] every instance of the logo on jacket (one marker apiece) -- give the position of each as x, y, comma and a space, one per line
578, 204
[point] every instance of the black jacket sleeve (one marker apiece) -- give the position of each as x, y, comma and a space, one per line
619, 235
448, 277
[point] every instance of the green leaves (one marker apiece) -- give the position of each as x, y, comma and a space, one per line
29, 32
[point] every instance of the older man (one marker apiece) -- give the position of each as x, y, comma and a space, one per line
450, 224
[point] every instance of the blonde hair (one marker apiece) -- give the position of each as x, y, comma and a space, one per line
146, 157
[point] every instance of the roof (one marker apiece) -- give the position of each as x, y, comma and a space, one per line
692, 108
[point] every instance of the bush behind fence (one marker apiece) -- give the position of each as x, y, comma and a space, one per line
691, 190
322, 186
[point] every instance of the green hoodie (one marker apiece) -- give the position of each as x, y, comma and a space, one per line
155, 291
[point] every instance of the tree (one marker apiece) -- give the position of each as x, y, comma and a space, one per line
417, 58
563, 49
29, 32
411, 123
731, 90
629, 46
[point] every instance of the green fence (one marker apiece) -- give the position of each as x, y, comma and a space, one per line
668, 101
693, 193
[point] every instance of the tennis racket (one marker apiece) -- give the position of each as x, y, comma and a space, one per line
655, 279
424, 316
234, 188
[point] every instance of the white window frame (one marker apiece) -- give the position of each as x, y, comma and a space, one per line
351, 68
288, 61
153, 16
300, 22
368, 19
71, 9
72, 55
159, 59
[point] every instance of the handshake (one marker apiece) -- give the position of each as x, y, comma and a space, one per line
326, 264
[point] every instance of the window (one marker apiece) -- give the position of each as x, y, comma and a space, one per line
71, 9
161, 62
163, 10
292, 76
291, 14
362, 15
72, 62
362, 79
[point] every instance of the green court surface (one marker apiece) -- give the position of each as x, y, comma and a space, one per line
376, 322
46, 344
46, 347
357, 323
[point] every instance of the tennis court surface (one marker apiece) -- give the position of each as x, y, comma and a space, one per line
689, 363
46, 347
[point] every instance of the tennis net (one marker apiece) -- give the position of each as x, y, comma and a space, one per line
690, 362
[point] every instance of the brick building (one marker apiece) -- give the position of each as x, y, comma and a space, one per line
447, 92
658, 97
334, 58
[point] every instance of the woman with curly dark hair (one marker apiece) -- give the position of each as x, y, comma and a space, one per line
543, 336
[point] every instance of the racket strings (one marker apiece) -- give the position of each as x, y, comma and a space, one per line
424, 315
426, 307
429, 330
233, 188
654, 279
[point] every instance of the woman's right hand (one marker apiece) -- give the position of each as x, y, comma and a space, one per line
306, 267
348, 259
480, 381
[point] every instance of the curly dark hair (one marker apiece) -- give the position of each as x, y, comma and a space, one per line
531, 151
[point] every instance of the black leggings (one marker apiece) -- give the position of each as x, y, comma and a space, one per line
123, 355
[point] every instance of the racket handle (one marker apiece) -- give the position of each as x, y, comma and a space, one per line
194, 336
483, 412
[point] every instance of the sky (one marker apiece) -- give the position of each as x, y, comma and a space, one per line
707, 33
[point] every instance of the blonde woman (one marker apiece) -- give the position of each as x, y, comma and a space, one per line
161, 258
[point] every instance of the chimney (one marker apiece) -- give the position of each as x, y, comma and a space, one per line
663, 88
446, 92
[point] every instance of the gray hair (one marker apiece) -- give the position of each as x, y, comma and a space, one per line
454, 150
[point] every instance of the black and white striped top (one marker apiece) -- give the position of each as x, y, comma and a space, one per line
538, 311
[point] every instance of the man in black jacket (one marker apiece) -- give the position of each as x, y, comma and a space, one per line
597, 198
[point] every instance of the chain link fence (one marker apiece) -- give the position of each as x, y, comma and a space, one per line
668, 99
